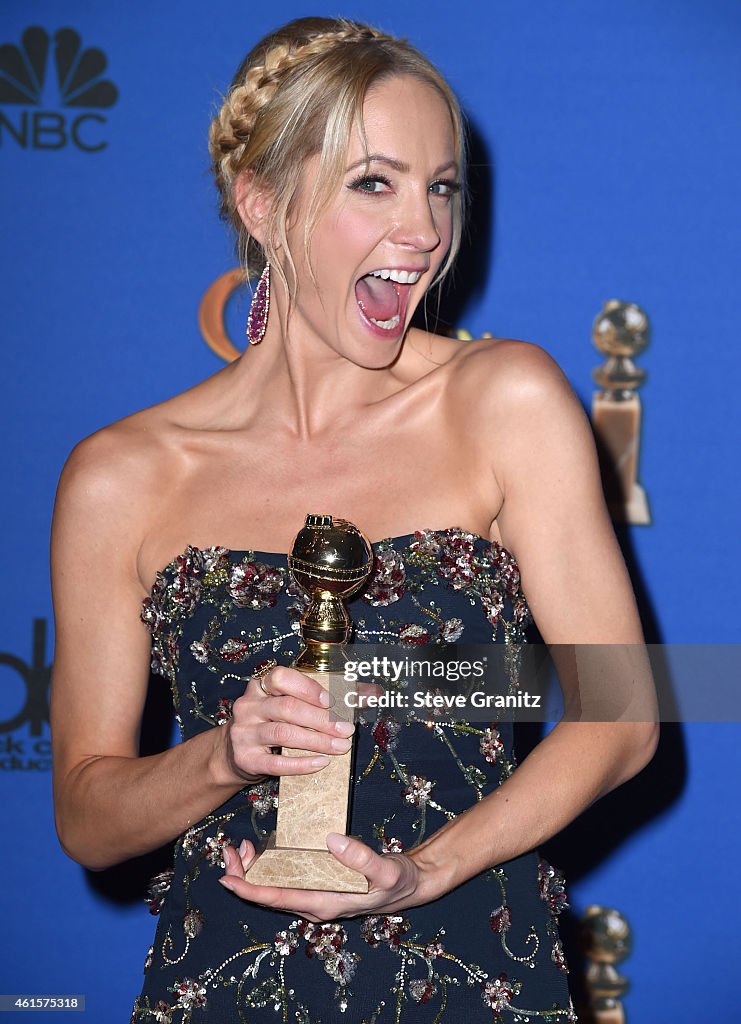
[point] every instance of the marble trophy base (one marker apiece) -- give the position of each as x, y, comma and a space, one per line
617, 425
303, 869
310, 806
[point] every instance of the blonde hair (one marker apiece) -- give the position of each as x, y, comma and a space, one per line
299, 93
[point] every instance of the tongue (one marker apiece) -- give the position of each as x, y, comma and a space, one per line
377, 297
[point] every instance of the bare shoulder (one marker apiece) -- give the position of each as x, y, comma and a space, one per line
494, 384
497, 384
134, 456
115, 478
511, 372
491, 362
516, 401
115, 463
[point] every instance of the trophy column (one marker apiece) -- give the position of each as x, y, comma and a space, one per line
331, 559
620, 332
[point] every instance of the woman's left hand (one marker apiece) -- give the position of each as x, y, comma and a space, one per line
395, 881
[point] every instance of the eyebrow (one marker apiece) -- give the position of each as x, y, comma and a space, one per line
396, 165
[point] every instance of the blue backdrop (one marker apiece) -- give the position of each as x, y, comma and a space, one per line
607, 137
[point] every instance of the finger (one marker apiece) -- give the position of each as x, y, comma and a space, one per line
264, 765
232, 862
381, 872
247, 853
366, 690
282, 680
333, 738
294, 711
237, 862
313, 904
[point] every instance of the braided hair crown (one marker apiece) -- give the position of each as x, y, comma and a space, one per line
297, 93
260, 75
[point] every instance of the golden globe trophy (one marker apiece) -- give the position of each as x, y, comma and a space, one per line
330, 559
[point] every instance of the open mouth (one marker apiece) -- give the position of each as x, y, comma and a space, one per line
383, 295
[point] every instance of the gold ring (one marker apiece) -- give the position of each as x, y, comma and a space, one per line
260, 673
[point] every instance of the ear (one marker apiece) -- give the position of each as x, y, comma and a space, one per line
253, 203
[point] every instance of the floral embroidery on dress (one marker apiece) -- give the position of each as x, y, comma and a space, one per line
254, 585
207, 613
552, 887
450, 558
386, 584
158, 888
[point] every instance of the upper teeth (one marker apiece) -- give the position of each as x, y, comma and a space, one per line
400, 276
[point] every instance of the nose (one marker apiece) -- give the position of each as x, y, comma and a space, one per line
416, 227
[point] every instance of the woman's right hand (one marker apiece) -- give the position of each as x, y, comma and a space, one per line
289, 709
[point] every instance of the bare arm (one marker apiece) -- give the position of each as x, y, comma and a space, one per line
555, 521
111, 804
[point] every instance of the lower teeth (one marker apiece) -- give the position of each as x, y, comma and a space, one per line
387, 325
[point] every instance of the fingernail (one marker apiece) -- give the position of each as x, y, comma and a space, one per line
243, 848
227, 883
337, 843
326, 699
320, 760
227, 854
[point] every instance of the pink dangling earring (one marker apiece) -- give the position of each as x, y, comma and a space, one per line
257, 319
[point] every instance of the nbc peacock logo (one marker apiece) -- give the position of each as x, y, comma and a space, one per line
31, 97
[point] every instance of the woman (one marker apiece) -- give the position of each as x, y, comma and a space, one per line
339, 157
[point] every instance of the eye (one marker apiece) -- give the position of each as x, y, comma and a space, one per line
370, 184
446, 188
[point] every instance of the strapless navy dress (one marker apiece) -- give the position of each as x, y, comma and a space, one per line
487, 951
